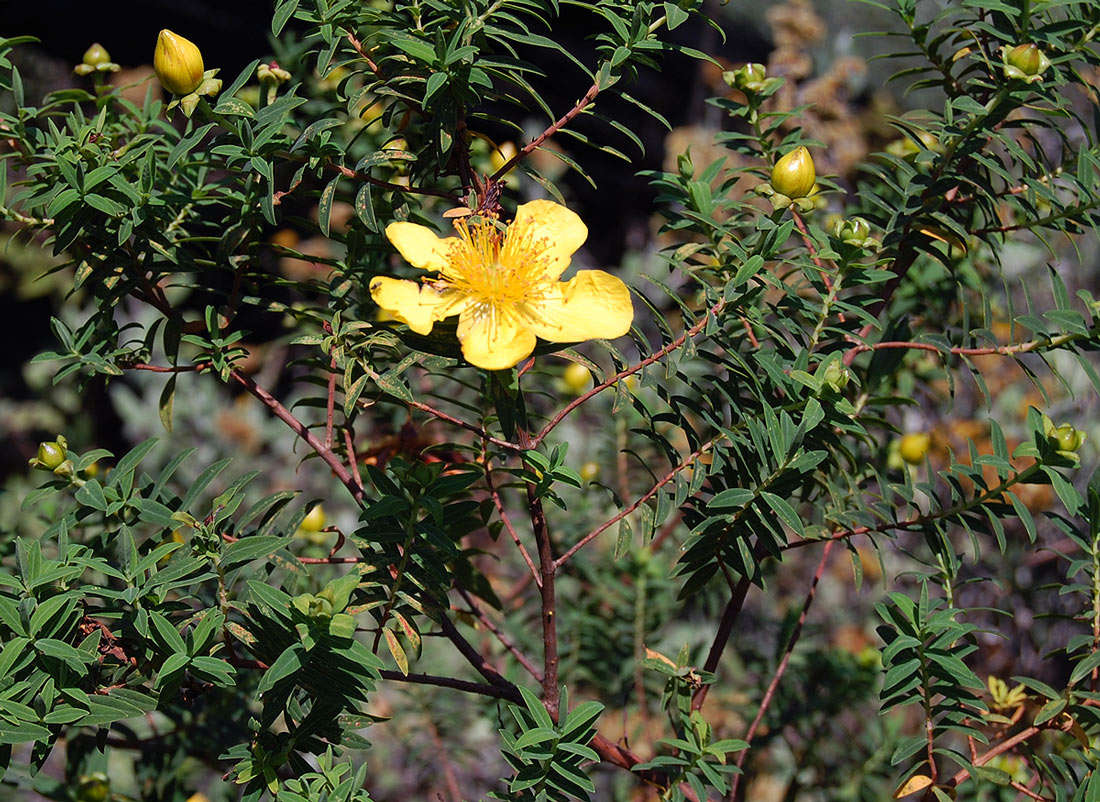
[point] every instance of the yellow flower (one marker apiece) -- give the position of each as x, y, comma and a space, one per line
503, 285
178, 63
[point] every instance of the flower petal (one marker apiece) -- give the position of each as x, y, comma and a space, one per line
418, 305
420, 246
492, 340
555, 228
591, 305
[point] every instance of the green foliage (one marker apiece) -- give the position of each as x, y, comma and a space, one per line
169, 607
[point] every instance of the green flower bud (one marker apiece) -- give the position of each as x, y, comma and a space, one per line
853, 231
50, 455
1067, 438
794, 175
749, 77
96, 54
835, 375
313, 606
1024, 62
93, 788
178, 63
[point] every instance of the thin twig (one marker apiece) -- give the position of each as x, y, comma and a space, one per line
505, 641
1003, 350
302, 431
622, 374
810, 247
664, 480
498, 502
725, 628
781, 669
495, 691
547, 569
552, 129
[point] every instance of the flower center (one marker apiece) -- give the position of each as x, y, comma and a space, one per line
498, 269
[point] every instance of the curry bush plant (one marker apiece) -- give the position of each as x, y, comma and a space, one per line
219, 642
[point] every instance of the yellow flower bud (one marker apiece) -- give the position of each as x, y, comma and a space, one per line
178, 63
914, 446
589, 471
794, 175
95, 55
576, 378
314, 521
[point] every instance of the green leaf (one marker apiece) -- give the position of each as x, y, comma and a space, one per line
291, 661
251, 548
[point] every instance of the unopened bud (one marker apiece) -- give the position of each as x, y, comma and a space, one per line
1024, 62
178, 63
853, 231
50, 455
1025, 58
794, 175
95, 55
914, 447
835, 375
272, 74
93, 788
1067, 438
748, 77
96, 60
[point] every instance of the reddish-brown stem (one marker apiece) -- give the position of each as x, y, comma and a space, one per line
622, 374
781, 669
198, 367
329, 560
473, 656
547, 569
1023, 789
330, 402
494, 691
901, 266
664, 480
353, 461
1005, 350
930, 749
285, 415
505, 641
810, 247
498, 502
725, 628
470, 427
355, 43
552, 129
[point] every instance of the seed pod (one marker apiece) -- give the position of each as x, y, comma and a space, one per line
794, 174
178, 63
